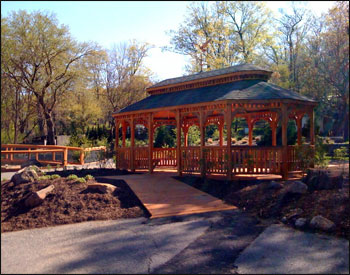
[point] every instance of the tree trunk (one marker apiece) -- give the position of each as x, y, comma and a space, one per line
40, 121
50, 129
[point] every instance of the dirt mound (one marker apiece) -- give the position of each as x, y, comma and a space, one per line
70, 202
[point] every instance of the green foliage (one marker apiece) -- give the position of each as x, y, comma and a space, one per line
46, 177
305, 155
89, 177
55, 176
72, 177
193, 136
341, 153
164, 137
48, 167
80, 180
321, 153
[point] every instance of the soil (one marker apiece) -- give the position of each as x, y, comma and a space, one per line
254, 197
68, 203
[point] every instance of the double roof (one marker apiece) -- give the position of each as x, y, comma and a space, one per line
252, 89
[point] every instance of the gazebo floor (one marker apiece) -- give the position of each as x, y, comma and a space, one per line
163, 196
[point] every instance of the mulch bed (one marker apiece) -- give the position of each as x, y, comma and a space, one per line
255, 198
68, 203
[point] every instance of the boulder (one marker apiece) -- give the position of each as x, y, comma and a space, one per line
27, 174
294, 213
296, 187
36, 198
31, 162
319, 222
274, 185
323, 180
300, 223
104, 188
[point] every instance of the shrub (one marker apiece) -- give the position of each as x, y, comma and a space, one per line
72, 177
89, 177
81, 180
55, 176
46, 177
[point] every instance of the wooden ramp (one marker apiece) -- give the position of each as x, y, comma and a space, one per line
163, 196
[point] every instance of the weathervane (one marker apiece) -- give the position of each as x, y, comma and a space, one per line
203, 48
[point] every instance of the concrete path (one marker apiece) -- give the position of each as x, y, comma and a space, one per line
163, 196
124, 246
283, 250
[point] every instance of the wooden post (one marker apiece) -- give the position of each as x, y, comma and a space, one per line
150, 143
178, 142
53, 156
273, 126
250, 131
202, 141
132, 132
65, 157
11, 155
298, 121
185, 130
284, 142
221, 134
228, 115
116, 142
123, 133
29, 154
82, 155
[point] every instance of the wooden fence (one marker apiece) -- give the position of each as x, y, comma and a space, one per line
47, 154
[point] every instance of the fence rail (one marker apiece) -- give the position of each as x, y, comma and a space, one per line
46, 154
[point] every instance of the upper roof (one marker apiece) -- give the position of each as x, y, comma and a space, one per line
255, 89
208, 74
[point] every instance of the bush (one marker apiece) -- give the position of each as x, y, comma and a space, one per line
46, 177
81, 180
55, 176
72, 177
89, 177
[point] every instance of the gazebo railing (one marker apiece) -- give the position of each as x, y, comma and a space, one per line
256, 160
190, 157
123, 158
164, 156
216, 159
141, 157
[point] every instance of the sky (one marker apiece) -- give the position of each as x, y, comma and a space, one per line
111, 22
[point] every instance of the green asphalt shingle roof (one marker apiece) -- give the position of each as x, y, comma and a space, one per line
239, 90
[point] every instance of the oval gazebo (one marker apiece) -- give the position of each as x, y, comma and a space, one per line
215, 97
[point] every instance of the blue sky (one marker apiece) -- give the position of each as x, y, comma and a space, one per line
108, 23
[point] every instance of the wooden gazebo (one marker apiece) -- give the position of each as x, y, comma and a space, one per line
215, 97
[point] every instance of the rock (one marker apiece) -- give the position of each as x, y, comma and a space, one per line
284, 219
323, 180
274, 185
36, 198
31, 162
294, 213
27, 174
300, 223
319, 222
296, 187
102, 187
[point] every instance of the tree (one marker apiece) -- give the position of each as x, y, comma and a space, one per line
221, 35
42, 59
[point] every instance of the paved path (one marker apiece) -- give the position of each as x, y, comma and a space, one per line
163, 196
124, 246
283, 250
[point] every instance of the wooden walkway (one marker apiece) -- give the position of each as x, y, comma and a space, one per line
163, 196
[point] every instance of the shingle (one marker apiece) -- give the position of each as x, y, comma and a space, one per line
239, 90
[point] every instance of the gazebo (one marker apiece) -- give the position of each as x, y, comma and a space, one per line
215, 97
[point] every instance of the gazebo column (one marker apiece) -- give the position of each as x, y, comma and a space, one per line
132, 133
228, 118
250, 131
273, 126
150, 143
185, 130
202, 140
284, 142
116, 141
178, 142
221, 134
123, 133
298, 121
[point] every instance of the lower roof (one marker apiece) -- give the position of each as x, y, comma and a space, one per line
239, 90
